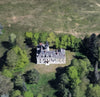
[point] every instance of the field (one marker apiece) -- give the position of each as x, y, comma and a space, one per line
76, 17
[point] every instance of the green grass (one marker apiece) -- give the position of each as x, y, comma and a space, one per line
43, 86
76, 17
47, 73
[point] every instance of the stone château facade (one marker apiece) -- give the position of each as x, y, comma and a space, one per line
47, 57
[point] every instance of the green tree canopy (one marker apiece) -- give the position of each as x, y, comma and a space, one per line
35, 38
28, 94
94, 91
74, 80
12, 39
29, 35
57, 43
43, 37
18, 82
15, 93
17, 58
32, 76
51, 38
5, 84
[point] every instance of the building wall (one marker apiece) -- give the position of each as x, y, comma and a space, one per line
44, 56
51, 60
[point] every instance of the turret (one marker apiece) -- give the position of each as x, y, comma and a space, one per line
47, 46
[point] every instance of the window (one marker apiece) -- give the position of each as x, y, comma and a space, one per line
40, 60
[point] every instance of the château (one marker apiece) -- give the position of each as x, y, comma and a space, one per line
46, 56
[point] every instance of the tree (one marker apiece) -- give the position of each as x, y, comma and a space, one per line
63, 81
29, 35
57, 43
70, 42
20, 41
64, 41
15, 93
35, 38
90, 47
7, 73
80, 90
18, 82
51, 38
65, 92
77, 44
39, 95
93, 48
12, 39
77, 92
74, 78
96, 73
5, 85
12, 58
83, 66
32, 76
28, 94
43, 37
73, 81
93, 91
17, 58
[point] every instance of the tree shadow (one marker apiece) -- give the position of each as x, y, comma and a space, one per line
33, 55
60, 70
91, 77
28, 42
3, 60
54, 82
6, 44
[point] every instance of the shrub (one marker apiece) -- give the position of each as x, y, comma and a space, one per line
28, 94
7, 73
39, 95
32, 76
15, 93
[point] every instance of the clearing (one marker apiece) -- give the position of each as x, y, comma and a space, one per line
43, 69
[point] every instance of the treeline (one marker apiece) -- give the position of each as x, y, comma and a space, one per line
73, 82
13, 76
82, 77
68, 42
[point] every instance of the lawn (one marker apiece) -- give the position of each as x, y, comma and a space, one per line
43, 87
47, 73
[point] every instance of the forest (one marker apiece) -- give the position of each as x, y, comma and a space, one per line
81, 78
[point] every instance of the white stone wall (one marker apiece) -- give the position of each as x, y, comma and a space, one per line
51, 61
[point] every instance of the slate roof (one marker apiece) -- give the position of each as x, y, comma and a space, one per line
51, 54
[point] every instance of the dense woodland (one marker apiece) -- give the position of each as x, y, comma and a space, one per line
79, 79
